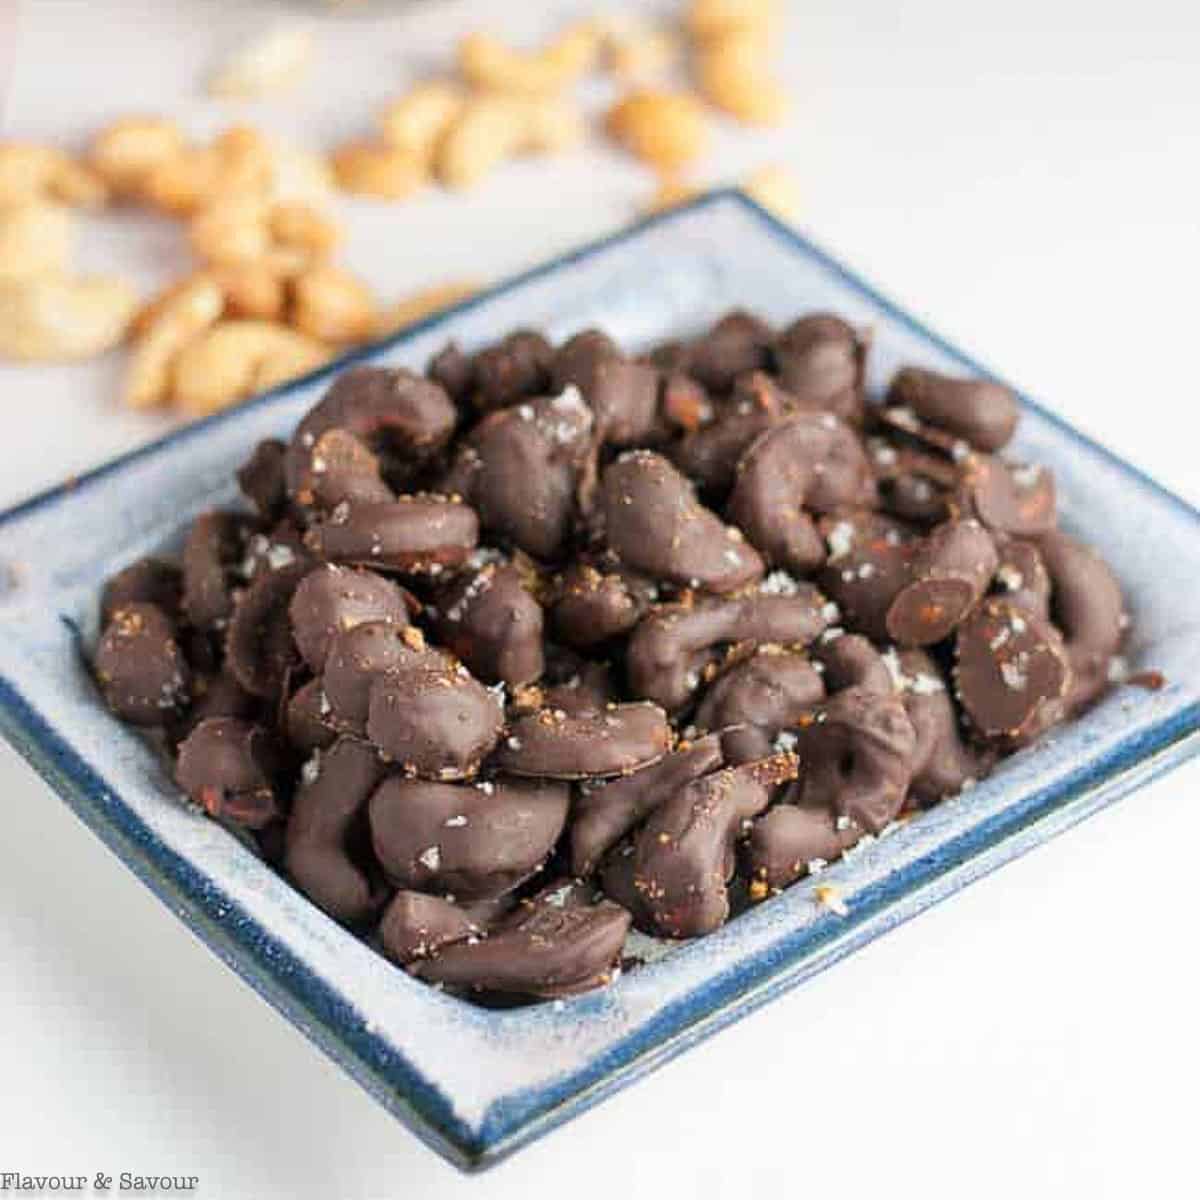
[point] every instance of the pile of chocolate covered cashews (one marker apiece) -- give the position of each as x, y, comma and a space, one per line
501, 661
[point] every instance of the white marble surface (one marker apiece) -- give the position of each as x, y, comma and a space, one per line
1026, 179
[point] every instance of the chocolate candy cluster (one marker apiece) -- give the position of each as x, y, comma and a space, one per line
554, 641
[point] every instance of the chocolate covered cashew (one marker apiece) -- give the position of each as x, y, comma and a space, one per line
791, 841
984, 414
556, 952
231, 769
820, 360
1007, 497
492, 622
399, 415
943, 763
675, 645
738, 343
750, 702
140, 668
326, 849
604, 813
436, 722
654, 523
469, 841
621, 392
215, 547
417, 534
808, 463
515, 368
684, 855
259, 647
358, 655
947, 573
332, 599
340, 469
554, 744
1088, 608
594, 602
261, 479
710, 454
148, 581
1010, 667
416, 926
306, 721
520, 467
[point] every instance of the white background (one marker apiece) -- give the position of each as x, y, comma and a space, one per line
1024, 175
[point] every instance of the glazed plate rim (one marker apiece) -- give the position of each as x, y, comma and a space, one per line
515, 1116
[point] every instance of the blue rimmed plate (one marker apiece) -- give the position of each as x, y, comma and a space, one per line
474, 1083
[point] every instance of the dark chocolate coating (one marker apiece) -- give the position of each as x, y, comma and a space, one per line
453, 371
807, 463
754, 699
520, 468
710, 454
325, 850
866, 567
788, 837
1010, 664
858, 752
217, 695
850, 661
593, 604
947, 574
942, 762
470, 841
674, 644
819, 360
231, 769
340, 468
553, 744
492, 622
684, 855
215, 546
139, 666
331, 599
390, 408
357, 656
557, 952
415, 926
655, 524
1088, 608
739, 342
434, 722
308, 720
1007, 497
982, 413
602, 815
147, 581
621, 392
1021, 575
262, 480
516, 367
259, 647
413, 534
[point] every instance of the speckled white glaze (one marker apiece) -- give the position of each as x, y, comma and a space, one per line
478, 1083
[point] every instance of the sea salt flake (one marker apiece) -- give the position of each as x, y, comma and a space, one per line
431, 858
1013, 676
456, 822
840, 540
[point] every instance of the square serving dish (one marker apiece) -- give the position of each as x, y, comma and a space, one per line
474, 1083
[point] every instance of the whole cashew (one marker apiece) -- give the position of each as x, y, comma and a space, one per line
59, 319
236, 359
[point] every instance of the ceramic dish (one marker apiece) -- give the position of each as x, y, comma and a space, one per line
478, 1083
